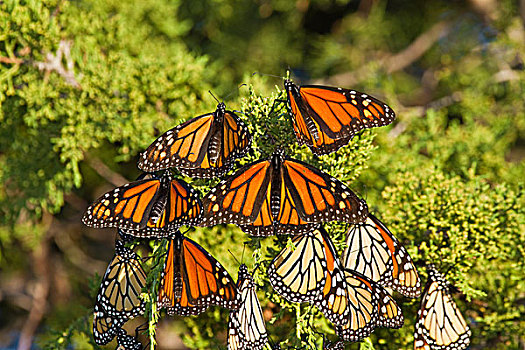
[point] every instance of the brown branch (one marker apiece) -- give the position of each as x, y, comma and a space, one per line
418, 47
399, 61
42, 270
420, 111
103, 170
11, 60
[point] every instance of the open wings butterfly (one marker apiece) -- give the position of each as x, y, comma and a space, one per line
205, 146
118, 298
280, 195
326, 118
193, 280
439, 325
372, 250
150, 207
246, 328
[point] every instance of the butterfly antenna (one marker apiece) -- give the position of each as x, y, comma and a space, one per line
234, 257
243, 249
267, 75
216, 99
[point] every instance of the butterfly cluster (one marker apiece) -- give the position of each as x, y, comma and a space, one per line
277, 195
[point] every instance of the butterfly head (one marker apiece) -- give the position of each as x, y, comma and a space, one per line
243, 270
219, 113
277, 158
289, 85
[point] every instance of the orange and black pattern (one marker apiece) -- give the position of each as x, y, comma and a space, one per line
205, 146
281, 196
440, 325
372, 250
147, 208
326, 118
192, 280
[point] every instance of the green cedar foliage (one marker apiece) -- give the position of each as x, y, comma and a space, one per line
446, 177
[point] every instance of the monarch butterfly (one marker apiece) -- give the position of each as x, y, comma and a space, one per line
440, 325
146, 208
126, 341
246, 329
326, 118
372, 250
205, 146
118, 298
309, 271
192, 280
280, 195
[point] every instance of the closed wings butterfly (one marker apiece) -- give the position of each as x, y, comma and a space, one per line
118, 298
439, 325
246, 328
205, 146
372, 250
281, 195
309, 271
149, 207
193, 280
327, 118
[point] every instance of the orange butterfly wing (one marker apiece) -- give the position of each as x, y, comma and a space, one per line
183, 146
193, 280
326, 118
319, 197
239, 198
287, 221
177, 205
127, 206
204, 146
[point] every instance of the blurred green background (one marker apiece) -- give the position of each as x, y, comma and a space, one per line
86, 85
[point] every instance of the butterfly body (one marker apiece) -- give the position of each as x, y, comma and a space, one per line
193, 280
205, 146
326, 118
280, 195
